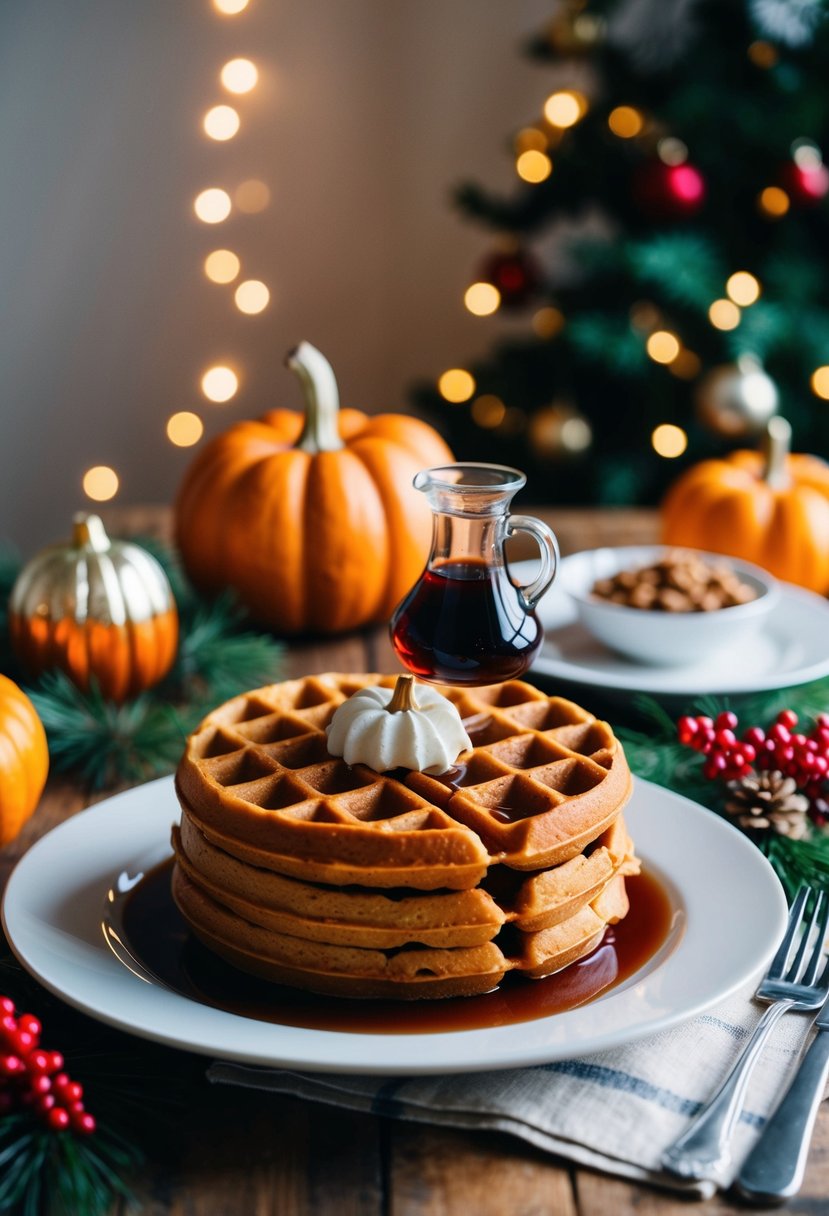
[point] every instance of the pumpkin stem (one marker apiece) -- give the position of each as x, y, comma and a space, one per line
322, 400
403, 696
775, 448
88, 532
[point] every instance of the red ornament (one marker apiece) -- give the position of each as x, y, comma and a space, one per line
805, 184
515, 273
669, 191
30, 1076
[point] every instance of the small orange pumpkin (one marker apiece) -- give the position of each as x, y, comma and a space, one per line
312, 520
767, 507
24, 759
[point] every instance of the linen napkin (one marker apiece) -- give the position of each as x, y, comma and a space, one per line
616, 1111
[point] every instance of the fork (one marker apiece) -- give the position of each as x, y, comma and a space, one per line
703, 1150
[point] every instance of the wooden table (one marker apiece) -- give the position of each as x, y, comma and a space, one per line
241, 1153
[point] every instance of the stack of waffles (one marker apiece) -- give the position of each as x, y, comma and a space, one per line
294, 866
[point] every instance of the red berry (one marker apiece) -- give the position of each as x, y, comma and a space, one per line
726, 720
686, 728
29, 1024
6, 1006
85, 1124
45, 1103
41, 1084
821, 765
726, 737
704, 722
8, 1025
38, 1061
780, 732
749, 754
73, 1092
755, 735
24, 1041
787, 718
58, 1118
55, 1060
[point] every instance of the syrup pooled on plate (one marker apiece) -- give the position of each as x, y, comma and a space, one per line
157, 937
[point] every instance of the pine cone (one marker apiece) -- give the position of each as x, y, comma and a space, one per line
769, 801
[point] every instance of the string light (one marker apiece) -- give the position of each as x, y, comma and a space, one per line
184, 429
482, 299
820, 382
625, 121
686, 366
565, 108
222, 266
252, 296
533, 167
663, 346
239, 75
251, 196
212, 206
548, 322
530, 139
219, 383
100, 483
488, 411
724, 314
774, 202
456, 385
743, 288
222, 122
229, 8
668, 440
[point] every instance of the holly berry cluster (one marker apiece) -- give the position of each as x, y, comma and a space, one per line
34, 1078
781, 748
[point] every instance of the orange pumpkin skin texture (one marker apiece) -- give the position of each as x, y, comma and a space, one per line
317, 541
728, 506
24, 759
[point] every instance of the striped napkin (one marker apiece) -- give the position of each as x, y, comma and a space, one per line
615, 1111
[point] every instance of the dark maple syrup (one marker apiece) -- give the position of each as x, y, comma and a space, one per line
464, 623
158, 938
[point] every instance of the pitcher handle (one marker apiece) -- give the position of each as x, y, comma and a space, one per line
548, 546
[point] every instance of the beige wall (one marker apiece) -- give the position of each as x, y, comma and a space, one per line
366, 115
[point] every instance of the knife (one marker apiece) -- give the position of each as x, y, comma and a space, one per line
774, 1169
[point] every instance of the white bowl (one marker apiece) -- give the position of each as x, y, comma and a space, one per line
658, 638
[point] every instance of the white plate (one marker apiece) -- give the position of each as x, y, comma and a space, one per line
791, 648
729, 913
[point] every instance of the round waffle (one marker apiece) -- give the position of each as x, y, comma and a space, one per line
293, 865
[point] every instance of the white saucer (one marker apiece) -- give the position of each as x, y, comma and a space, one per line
729, 913
791, 648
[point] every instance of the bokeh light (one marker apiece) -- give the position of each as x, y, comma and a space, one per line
221, 122
222, 266
774, 202
533, 166
488, 411
482, 299
184, 429
663, 346
564, 108
219, 383
212, 206
669, 441
100, 483
820, 382
252, 296
229, 8
547, 322
251, 196
743, 288
530, 139
456, 385
625, 121
239, 75
724, 314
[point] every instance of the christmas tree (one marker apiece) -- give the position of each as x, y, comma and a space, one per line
663, 253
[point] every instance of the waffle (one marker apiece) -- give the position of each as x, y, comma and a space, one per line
295, 866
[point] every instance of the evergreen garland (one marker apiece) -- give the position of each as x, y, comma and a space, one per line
106, 744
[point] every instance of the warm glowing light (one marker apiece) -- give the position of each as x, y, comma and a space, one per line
251, 196
222, 266
548, 322
184, 429
625, 122
229, 8
743, 288
763, 54
533, 166
820, 382
456, 385
482, 299
724, 314
669, 441
222, 122
663, 346
252, 296
565, 108
672, 151
100, 483
488, 411
774, 202
645, 316
686, 366
219, 383
212, 206
239, 75
806, 154
530, 139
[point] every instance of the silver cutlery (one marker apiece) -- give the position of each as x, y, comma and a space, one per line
774, 1169
703, 1150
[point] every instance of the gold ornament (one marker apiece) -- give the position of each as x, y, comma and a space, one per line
737, 399
97, 609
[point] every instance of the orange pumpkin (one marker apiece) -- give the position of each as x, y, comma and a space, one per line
312, 519
767, 507
24, 759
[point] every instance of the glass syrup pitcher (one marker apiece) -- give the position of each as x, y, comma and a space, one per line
465, 622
